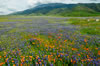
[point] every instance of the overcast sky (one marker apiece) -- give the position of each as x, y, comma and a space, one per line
9, 6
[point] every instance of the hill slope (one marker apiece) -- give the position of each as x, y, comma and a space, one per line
59, 9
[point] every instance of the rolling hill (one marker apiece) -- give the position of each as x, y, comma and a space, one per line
59, 9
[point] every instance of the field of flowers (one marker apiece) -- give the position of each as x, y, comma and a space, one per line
48, 41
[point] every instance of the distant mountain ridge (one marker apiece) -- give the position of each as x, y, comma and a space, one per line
59, 9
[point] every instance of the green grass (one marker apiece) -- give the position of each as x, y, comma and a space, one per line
11, 19
91, 27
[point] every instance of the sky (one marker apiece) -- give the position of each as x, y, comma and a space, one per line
10, 6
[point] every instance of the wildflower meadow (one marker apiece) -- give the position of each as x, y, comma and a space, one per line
49, 41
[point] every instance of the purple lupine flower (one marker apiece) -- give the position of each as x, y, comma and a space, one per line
53, 49
8, 64
17, 65
8, 61
66, 55
61, 55
26, 61
45, 63
57, 53
39, 52
51, 64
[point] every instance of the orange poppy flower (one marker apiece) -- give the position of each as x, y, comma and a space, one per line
0, 56
58, 55
74, 49
86, 49
12, 61
71, 60
59, 37
42, 60
99, 52
82, 60
39, 62
60, 59
60, 49
33, 43
30, 56
79, 55
87, 56
2, 63
85, 40
74, 62
37, 57
65, 40
6, 59
54, 60
96, 48
22, 60
4, 56
21, 64
14, 65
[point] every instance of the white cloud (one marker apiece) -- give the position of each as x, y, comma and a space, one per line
9, 6
33, 2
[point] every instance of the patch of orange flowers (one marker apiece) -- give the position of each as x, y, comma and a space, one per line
74, 49
86, 49
99, 52
2, 63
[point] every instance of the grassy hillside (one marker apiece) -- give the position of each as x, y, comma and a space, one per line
58, 9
